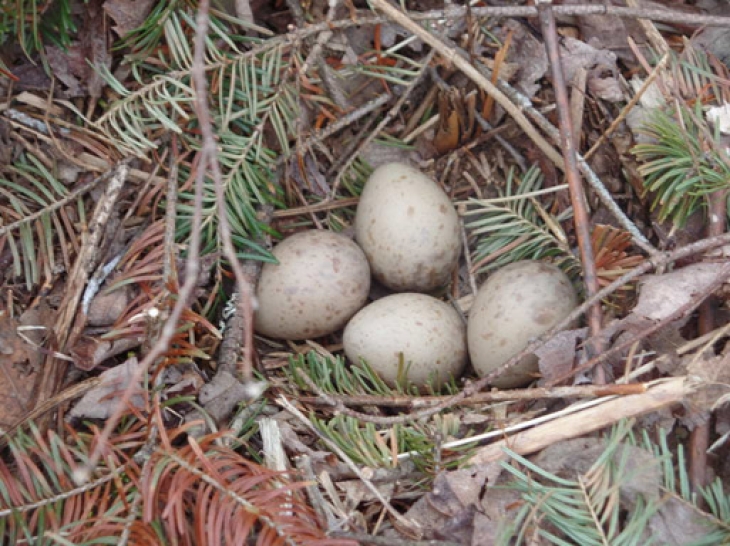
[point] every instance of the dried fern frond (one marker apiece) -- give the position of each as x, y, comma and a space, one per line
206, 494
39, 495
610, 253
517, 227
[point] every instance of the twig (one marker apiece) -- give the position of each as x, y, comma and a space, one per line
192, 263
238, 322
662, 393
171, 213
65, 329
317, 207
209, 151
387, 541
577, 195
699, 440
411, 525
665, 15
417, 402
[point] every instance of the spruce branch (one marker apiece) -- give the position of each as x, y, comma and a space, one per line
519, 223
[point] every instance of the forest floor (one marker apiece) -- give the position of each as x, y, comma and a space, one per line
155, 155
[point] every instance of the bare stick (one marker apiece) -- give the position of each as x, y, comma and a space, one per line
192, 264
662, 394
577, 194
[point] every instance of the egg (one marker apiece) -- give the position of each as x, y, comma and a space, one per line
408, 229
423, 336
516, 304
321, 280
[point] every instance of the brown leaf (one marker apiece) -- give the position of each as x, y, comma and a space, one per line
677, 523
101, 401
69, 68
95, 40
448, 511
662, 295
573, 457
557, 355
17, 376
106, 308
127, 14
600, 65
713, 373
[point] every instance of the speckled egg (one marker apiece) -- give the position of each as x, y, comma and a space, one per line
417, 335
321, 280
408, 229
518, 303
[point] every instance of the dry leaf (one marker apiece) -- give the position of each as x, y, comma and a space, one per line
662, 295
677, 523
555, 358
448, 511
101, 401
127, 14
17, 375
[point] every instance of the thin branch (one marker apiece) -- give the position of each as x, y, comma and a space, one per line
664, 15
682, 311
209, 151
577, 194
417, 402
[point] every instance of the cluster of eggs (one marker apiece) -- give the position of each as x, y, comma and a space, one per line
408, 237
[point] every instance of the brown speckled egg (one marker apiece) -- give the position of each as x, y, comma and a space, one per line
519, 302
408, 229
321, 280
423, 335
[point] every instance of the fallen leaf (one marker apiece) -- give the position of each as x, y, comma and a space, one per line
101, 401
529, 54
127, 14
448, 511
555, 358
677, 523
600, 65
17, 375
570, 458
662, 295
